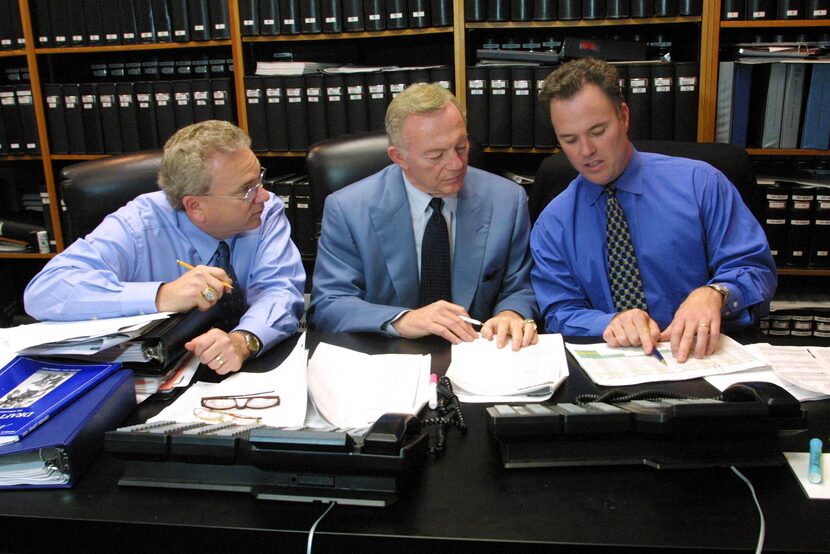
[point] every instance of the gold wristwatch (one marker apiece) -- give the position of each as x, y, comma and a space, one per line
723, 290
251, 341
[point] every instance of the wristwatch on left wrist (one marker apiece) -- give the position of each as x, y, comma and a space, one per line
252, 341
723, 290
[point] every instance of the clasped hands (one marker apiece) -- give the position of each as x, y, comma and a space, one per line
696, 325
442, 318
201, 288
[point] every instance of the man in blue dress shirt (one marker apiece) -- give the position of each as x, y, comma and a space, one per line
211, 201
703, 258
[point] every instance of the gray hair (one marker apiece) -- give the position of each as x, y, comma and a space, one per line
419, 98
183, 168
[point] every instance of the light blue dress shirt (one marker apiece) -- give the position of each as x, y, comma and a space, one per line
689, 227
117, 269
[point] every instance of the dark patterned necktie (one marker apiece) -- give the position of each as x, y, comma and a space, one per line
623, 273
232, 304
435, 258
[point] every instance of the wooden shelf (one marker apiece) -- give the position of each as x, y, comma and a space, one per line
26, 255
589, 23
755, 24
804, 271
132, 47
786, 152
345, 36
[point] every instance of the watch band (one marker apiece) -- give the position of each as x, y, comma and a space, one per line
252, 341
721, 289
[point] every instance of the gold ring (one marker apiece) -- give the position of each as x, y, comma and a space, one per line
704, 325
529, 321
210, 294
219, 359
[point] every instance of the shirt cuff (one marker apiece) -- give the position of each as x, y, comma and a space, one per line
389, 328
139, 298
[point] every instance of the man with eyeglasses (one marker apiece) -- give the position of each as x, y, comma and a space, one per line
212, 212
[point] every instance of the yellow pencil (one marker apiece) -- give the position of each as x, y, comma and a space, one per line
188, 266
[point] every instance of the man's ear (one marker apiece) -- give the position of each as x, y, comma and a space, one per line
194, 208
397, 156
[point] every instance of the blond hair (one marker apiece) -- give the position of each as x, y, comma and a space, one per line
417, 99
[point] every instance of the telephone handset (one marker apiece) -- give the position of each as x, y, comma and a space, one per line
779, 402
390, 433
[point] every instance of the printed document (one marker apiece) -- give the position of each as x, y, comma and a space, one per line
620, 366
482, 372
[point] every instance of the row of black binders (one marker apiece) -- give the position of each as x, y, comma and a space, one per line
61, 23
292, 112
773, 104
735, 10
566, 10
292, 17
503, 109
295, 191
111, 118
18, 128
803, 322
796, 219
11, 26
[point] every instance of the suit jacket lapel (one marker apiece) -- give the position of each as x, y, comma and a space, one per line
391, 221
471, 229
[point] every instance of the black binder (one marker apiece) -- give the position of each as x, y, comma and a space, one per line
128, 122
732, 10
593, 9
498, 10
397, 14
269, 17
478, 104
419, 14
255, 106
331, 16
817, 9
222, 99
110, 118
165, 110
145, 109
336, 114
315, 95
144, 27
776, 201
59, 22
760, 9
275, 114
689, 7
686, 94
442, 76
662, 101
4, 148
357, 109
499, 106
74, 118
18, 40
179, 20
570, 9
11, 119
303, 230
289, 17
310, 21
41, 26
75, 26
197, 12
617, 9
161, 21
820, 241
418, 75
126, 19
544, 10
799, 225
353, 16
249, 17
377, 99
790, 9
543, 136
665, 8
295, 110
110, 22
56, 119
642, 8
201, 101
521, 106
26, 111
91, 114
441, 13
476, 10
522, 10
638, 97
219, 19
182, 103
374, 14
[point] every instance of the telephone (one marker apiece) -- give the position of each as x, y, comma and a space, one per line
390, 432
778, 401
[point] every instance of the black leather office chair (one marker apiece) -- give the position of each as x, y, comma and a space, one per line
93, 189
340, 161
556, 172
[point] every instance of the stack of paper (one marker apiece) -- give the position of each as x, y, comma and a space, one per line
482, 372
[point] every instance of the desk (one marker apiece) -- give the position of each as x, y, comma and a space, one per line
460, 502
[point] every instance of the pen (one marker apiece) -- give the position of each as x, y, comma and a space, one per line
660, 358
433, 391
470, 320
814, 473
188, 266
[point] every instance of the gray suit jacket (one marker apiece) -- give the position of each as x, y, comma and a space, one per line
367, 272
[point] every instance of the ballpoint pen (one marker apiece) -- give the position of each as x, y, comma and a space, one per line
656, 353
188, 266
470, 320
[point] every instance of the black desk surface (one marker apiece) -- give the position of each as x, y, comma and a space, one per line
461, 501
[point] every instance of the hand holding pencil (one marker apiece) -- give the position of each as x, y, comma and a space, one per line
200, 287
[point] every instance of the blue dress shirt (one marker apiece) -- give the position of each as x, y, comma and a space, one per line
117, 269
689, 227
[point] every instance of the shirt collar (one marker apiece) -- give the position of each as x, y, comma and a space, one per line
204, 244
419, 200
629, 181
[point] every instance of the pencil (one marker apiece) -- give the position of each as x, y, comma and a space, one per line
188, 266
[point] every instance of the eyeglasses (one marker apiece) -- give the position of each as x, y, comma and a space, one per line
254, 401
214, 416
250, 193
